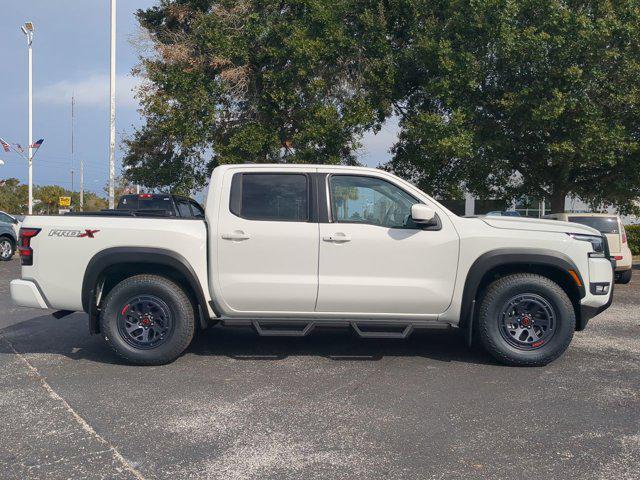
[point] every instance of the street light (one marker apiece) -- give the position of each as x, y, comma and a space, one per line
28, 30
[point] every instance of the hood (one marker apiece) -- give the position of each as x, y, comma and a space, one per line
538, 224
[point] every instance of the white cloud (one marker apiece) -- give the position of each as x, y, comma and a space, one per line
91, 91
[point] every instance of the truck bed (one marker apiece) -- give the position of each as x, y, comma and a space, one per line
66, 244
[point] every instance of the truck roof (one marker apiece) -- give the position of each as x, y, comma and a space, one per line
286, 166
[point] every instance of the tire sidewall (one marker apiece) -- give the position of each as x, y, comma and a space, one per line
182, 316
564, 318
624, 277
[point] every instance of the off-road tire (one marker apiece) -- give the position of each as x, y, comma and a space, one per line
490, 312
181, 311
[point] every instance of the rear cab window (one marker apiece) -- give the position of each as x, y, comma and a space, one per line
282, 197
602, 224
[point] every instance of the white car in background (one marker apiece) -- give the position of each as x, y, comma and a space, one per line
610, 226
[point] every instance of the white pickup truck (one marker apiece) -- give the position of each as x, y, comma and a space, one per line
290, 248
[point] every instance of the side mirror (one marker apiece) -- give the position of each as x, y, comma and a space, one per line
420, 213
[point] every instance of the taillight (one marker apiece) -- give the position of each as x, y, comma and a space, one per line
624, 235
24, 244
145, 195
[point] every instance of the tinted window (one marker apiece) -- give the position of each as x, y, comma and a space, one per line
128, 202
603, 224
196, 210
154, 202
357, 199
266, 196
183, 208
4, 218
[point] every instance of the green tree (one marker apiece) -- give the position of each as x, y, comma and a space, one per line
519, 97
13, 196
94, 203
257, 81
47, 198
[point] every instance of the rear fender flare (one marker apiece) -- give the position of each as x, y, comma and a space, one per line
136, 255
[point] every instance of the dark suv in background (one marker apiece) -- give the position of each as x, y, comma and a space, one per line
170, 205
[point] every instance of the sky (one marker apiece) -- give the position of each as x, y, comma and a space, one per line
71, 56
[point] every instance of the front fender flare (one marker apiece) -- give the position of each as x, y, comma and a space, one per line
510, 256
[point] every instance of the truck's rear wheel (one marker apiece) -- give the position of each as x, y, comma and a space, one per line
148, 320
525, 320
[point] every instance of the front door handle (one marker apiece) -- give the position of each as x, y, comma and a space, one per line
337, 238
236, 235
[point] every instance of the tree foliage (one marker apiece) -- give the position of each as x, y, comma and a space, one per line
521, 97
507, 98
14, 198
257, 81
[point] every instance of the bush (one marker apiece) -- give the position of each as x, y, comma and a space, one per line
633, 237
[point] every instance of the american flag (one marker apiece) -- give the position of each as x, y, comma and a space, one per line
5, 145
37, 144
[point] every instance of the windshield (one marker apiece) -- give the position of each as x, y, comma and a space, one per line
603, 224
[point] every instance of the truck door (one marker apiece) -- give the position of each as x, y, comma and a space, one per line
374, 259
268, 242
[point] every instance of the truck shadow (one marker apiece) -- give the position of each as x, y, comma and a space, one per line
70, 337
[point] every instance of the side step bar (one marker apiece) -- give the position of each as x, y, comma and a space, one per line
274, 328
365, 330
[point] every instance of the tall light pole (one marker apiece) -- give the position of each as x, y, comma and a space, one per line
112, 113
27, 29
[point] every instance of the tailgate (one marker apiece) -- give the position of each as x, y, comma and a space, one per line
614, 242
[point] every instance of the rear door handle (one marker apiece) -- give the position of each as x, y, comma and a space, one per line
337, 238
237, 235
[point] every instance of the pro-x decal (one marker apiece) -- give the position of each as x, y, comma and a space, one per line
73, 233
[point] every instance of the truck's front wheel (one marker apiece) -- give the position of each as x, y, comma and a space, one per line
526, 320
148, 320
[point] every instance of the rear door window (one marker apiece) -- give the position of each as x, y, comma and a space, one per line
270, 196
602, 224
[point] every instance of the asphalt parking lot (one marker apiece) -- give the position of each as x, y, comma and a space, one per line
327, 406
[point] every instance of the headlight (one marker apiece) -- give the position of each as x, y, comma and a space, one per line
597, 242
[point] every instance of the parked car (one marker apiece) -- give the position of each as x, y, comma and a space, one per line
611, 226
8, 236
505, 213
290, 248
171, 205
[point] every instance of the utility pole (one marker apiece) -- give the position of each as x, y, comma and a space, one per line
112, 112
27, 29
73, 116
